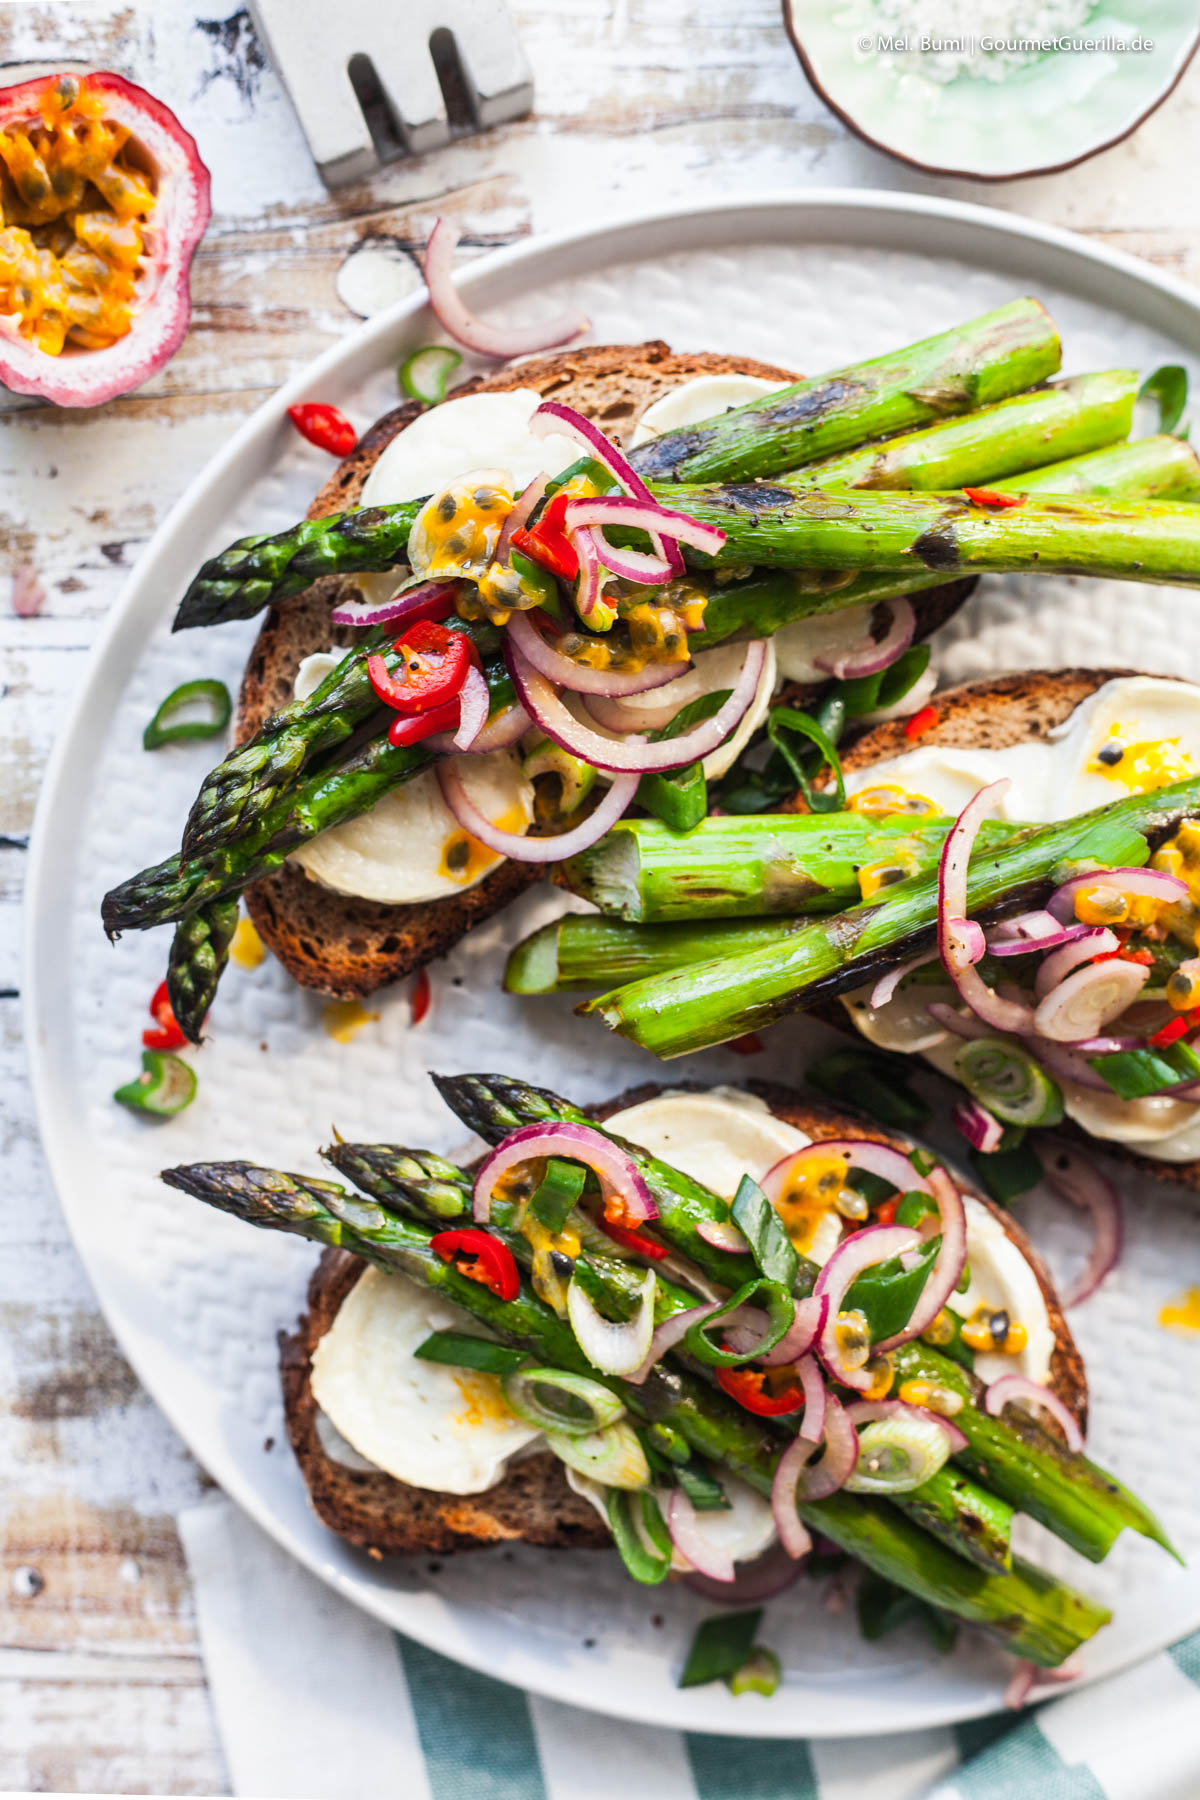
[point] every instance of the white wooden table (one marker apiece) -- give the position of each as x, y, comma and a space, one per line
101, 1688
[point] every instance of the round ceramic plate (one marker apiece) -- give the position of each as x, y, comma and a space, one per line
960, 106
196, 1298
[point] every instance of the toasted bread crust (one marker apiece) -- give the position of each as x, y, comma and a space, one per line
347, 947
992, 715
533, 1503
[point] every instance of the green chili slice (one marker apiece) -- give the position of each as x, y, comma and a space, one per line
165, 1086
781, 1310
215, 696
425, 375
462, 1350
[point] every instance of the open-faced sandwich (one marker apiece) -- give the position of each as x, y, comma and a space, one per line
703, 1325
559, 598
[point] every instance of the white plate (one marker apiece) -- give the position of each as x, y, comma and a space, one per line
196, 1298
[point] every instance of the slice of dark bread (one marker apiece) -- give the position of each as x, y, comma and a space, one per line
533, 1503
994, 714
348, 947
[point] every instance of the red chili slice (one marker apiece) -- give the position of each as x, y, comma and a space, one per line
169, 1035
95, 253
410, 728
482, 1257
749, 1044
748, 1388
921, 722
633, 1240
994, 498
433, 666
421, 995
1171, 1032
547, 542
324, 426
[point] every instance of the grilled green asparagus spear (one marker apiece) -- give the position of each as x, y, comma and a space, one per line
582, 950
1033, 1615
747, 865
708, 1003
1071, 1496
946, 533
199, 952
986, 360
419, 1184
1048, 425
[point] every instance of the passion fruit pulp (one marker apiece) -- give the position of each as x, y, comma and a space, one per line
103, 199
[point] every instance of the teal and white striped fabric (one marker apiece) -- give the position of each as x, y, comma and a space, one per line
314, 1701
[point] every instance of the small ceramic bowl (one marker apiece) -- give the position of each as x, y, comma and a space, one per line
936, 110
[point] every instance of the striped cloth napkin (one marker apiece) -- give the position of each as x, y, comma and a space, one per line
316, 1701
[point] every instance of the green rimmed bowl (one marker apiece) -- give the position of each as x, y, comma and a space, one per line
1050, 111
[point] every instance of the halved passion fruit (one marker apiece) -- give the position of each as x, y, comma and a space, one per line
103, 199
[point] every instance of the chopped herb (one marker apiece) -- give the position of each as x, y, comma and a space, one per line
702, 1489
770, 1245
874, 693
720, 1647
1005, 1175
1168, 385
1135, 1074
883, 1607
872, 1083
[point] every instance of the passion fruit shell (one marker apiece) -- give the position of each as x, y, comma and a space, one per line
160, 308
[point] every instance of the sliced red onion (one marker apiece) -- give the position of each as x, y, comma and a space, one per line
589, 589
865, 1412
524, 504
578, 678
1088, 942
1149, 884
861, 1250
641, 515
1065, 1064
749, 1325
1107, 1046
459, 323
1077, 1180
501, 733
614, 1349
860, 1153
670, 1333
628, 565
1079, 1007
723, 1234
870, 657
885, 988
1032, 931
552, 418
398, 608
633, 756
691, 1542
794, 1483
618, 1174
1026, 1676
948, 1265
768, 1575
953, 943
534, 850
963, 1026
1014, 1387
617, 715
812, 1423
473, 704
966, 939
982, 1130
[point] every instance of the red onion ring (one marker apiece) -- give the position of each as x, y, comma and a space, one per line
948, 1265
748, 1327
836, 1466
501, 733
860, 1153
812, 1422
1032, 931
1107, 1046
723, 1234
943, 1014
626, 564
885, 988
640, 515
705, 1557
1088, 942
534, 850
1026, 1676
670, 1333
614, 1349
633, 756
473, 704
1077, 1181
1008, 1388
615, 715
865, 1412
861, 1250
982, 1130
594, 611
618, 1174
1150, 884
524, 504
461, 324
768, 1575
1002, 1015
1109, 987
870, 657
553, 418
578, 678
1064, 1064
398, 608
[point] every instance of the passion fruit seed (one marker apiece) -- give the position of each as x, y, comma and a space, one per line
932, 1396
882, 1374
940, 1331
1101, 905
991, 1329
853, 1335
